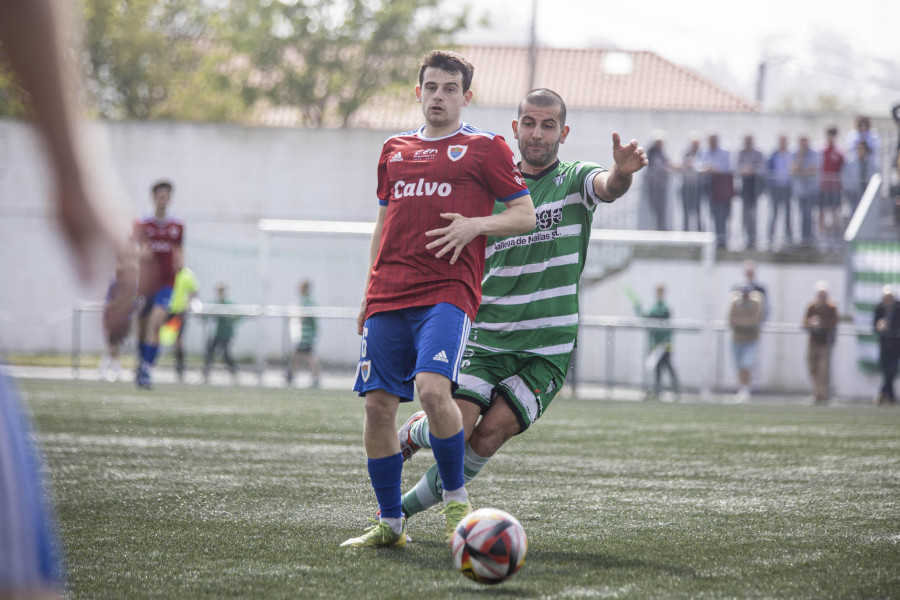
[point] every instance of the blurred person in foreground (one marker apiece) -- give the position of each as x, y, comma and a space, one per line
820, 321
304, 350
437, 190
886, 324
32, 34
521, 343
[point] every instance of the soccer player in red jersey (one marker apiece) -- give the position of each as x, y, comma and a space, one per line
157, 237
436, 189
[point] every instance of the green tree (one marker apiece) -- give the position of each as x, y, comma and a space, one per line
329, 57
157, 59
226, 60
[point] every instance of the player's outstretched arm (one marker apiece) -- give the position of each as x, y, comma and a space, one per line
517, 217
32, 33
629, 159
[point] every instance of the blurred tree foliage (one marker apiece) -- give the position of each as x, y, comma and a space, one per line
328, 57
228, 60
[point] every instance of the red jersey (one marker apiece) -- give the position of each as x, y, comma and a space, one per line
162, 235
418, 179
832, 164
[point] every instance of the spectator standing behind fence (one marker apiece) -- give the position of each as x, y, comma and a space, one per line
887, 328
820, 320
305, 346
657, 182
659, 343
865, 133
691, 185
751, 282
751, 167
830, 221
804, 173
779, 182
857, 173
745, 316
222, 337
895, 174
716, 164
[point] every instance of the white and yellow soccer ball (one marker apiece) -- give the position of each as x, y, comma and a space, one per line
489, 546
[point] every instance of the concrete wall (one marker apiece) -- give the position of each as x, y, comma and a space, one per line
227, 177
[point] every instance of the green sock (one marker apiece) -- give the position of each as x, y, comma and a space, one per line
429, 491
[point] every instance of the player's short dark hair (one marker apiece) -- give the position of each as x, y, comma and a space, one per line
449, 62
544, 98
832, 131
162, 185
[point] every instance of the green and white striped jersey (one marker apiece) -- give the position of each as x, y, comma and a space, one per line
530, 288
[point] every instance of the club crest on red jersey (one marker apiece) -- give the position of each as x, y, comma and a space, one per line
456, 152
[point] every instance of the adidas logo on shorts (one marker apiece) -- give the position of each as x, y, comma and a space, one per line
441, 356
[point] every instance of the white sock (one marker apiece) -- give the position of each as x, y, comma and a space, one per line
459, 495
396, 523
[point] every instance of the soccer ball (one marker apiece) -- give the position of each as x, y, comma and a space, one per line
489, 546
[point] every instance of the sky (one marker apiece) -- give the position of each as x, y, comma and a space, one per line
725, 40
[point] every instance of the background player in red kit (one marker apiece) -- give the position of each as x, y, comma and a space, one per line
436, 189
157, 237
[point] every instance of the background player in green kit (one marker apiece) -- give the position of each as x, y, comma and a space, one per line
524, 333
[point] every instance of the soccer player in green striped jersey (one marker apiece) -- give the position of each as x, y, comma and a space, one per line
524, 333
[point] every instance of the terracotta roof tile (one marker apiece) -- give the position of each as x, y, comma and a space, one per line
590, 79
597, 79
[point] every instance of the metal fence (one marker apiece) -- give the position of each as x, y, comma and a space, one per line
616, 336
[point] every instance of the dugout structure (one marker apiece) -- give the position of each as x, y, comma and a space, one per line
611, 252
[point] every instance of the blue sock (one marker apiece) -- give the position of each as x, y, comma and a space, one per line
450, 453
385, 475
148, 353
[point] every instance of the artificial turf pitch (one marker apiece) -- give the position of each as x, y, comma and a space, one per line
214, 492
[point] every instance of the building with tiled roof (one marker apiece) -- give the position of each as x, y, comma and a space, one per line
595, 79
589, 79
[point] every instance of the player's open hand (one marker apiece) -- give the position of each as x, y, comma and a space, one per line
455, 236
629, 158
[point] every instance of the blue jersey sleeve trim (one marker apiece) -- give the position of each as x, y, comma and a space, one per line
518, 194
382, 202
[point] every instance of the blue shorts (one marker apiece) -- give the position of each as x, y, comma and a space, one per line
29, 549
398, 344
161, 297
744, 354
